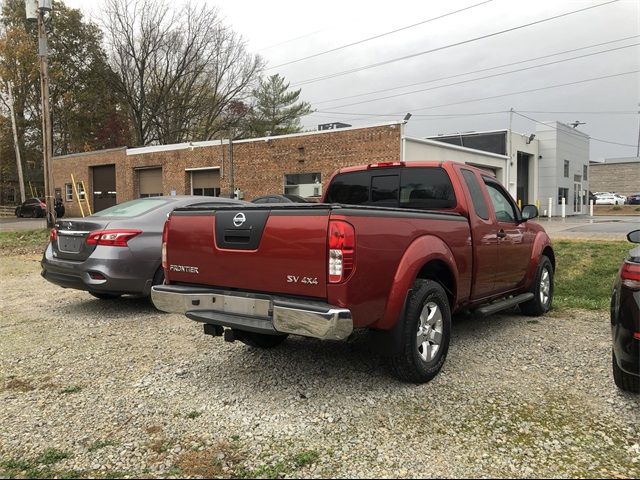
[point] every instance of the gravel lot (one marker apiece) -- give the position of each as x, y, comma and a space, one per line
94, 388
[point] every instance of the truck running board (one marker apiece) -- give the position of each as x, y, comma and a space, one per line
499, 305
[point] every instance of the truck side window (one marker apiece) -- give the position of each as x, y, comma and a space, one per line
350, 189
502, 205
425, 188
384, 191
477, 198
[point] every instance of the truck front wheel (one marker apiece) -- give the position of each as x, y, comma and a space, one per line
542, 289
426, 333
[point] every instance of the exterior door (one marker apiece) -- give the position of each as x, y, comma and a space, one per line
104, 187
577, 201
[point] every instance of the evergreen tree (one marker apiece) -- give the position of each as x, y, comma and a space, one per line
277, 110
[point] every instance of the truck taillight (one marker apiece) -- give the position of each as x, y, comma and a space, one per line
165, 236
53, 235
112, 238
342, 246
386, 164
630, 275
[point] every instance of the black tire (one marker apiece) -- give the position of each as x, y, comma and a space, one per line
105, 296
260, 340
624, 381
409, 364
158, 278
537, 306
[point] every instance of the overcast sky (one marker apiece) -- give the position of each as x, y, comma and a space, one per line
287, 30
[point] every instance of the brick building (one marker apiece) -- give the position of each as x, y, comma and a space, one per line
300, 164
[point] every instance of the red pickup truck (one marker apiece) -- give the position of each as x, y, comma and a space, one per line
394, 247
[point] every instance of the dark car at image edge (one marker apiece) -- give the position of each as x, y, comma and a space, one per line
625, 320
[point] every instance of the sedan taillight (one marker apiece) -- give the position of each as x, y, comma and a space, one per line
53, 235
630, 275
112, 238
342, 249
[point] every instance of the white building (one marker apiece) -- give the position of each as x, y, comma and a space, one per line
550, 164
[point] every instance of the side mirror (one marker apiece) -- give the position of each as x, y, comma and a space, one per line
529, 212
634, 237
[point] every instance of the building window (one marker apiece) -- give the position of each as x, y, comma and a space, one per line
147, 195
11, 195
68, 192
585, 170
303, 184
563, 193
58, 194
208, 192
80, 190
566, 169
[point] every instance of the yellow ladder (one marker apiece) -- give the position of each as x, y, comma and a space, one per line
84, 192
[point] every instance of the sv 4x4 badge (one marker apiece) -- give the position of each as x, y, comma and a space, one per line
304, 280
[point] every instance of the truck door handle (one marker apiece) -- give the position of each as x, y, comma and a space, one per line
501, 234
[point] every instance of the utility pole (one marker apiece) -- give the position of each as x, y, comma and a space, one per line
36, 10
509, 160
231, 180
638, 149
16, 145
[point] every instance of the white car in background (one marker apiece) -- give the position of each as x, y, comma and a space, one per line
609, 199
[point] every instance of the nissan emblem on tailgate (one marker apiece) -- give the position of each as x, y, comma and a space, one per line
239, 219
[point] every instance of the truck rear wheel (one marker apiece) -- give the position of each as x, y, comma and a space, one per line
426, 334
260, 340
542, 290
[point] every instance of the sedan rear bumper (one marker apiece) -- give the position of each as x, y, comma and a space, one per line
258, 313
98, 273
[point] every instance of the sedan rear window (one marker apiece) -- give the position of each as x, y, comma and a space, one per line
132, 208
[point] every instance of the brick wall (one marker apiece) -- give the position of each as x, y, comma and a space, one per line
622, 178
259, 165
79, 166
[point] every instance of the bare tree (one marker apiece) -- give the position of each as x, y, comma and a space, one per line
178, 69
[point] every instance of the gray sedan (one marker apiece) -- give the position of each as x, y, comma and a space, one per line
115, 251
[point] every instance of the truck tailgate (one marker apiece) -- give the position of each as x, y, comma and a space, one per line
261, 249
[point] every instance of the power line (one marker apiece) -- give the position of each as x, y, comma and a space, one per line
598, 112
475, 71
444, 47
485, 77
291, 40
488, 98
574, 134
378, 36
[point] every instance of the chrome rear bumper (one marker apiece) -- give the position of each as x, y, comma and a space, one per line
254, 312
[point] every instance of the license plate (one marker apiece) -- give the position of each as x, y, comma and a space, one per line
70, 244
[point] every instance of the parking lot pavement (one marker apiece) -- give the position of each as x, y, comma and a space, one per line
95, 388
583, 227
13, 224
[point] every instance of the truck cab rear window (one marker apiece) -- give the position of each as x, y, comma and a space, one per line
419, 188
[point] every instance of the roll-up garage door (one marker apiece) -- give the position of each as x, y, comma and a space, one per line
206, 182
150, 182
